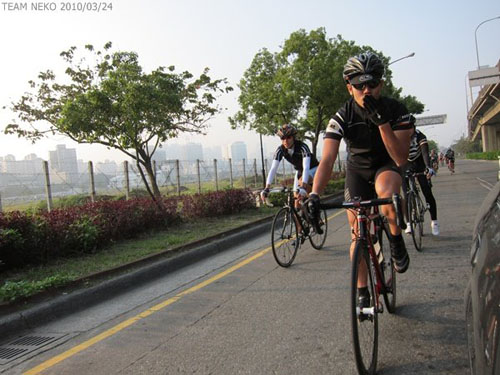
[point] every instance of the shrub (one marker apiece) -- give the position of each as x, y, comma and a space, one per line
12, 290
489, 155
335, 186
216, 203
277, 199
40, 236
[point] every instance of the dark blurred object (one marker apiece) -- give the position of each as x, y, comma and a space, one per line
482, 296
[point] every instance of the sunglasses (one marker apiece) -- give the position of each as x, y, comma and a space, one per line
361, 86
286, 137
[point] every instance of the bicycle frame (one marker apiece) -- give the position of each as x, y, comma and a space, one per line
291, 203
366, 217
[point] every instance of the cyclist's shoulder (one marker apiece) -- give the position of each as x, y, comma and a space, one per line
279, 153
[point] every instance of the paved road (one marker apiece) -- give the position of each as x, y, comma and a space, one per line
239, 313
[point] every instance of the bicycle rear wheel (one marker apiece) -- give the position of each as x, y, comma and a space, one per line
284, 237
415, 221
364, 320
387, 269
318, 240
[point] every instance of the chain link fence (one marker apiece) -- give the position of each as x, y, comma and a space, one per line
40, 184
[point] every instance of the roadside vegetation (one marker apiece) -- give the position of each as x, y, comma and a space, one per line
41, 251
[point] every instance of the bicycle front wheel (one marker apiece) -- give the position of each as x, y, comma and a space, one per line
364, 318
318, 240
284, 237
415, 221
387, 268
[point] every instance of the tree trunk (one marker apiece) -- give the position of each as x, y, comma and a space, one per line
152, 179
152, 186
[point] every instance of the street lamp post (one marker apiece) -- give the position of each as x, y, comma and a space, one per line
405, 57
475, 37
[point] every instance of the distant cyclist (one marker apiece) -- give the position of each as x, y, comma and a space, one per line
300, 156
450, 159
419, 161
441, 158
434, 160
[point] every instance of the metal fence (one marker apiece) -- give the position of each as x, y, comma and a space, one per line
42, 184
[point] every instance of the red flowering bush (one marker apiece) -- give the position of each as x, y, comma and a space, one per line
36, 238
216, 203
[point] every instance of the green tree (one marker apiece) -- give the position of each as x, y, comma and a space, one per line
302, 84
432, 145
464, 145
108, 99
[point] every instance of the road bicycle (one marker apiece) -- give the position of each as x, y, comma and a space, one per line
285, 235
451, 165
371, 242
415, 208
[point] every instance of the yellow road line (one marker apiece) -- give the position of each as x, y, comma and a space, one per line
110, 332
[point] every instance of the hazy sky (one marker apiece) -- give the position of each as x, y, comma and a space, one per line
225, 35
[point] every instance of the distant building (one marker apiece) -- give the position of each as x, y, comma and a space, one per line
237, 151
172, 151
160, 155
108, 167
211, 153
192, 151
31, 165
63, 161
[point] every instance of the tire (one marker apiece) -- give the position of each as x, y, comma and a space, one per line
414, 216
318, 240
469, 324
364, 327
421, 210
388, 271
284, 237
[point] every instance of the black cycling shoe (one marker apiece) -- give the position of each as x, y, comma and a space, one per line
363, 302
400, 257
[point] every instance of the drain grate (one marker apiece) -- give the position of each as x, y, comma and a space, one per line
25, 345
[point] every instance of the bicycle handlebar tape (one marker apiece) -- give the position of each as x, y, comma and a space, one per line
396, 199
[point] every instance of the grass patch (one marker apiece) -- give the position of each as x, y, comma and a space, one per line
22, 283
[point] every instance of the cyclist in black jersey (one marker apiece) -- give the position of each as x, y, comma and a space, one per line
377, 131
299, 155
419, 161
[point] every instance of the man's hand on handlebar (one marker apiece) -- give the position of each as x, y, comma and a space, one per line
264, 194
314, 210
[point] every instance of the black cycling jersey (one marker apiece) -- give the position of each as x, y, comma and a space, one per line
365, 148
417, 140
295, 155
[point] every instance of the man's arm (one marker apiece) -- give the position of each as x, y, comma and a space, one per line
397, 143
306, 164
324, 172
272, 173
425, 154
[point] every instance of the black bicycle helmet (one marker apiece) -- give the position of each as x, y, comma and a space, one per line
286, 131
363, 67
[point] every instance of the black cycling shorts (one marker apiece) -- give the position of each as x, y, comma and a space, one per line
360, 182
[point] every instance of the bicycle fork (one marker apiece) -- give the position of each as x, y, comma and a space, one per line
366, 236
